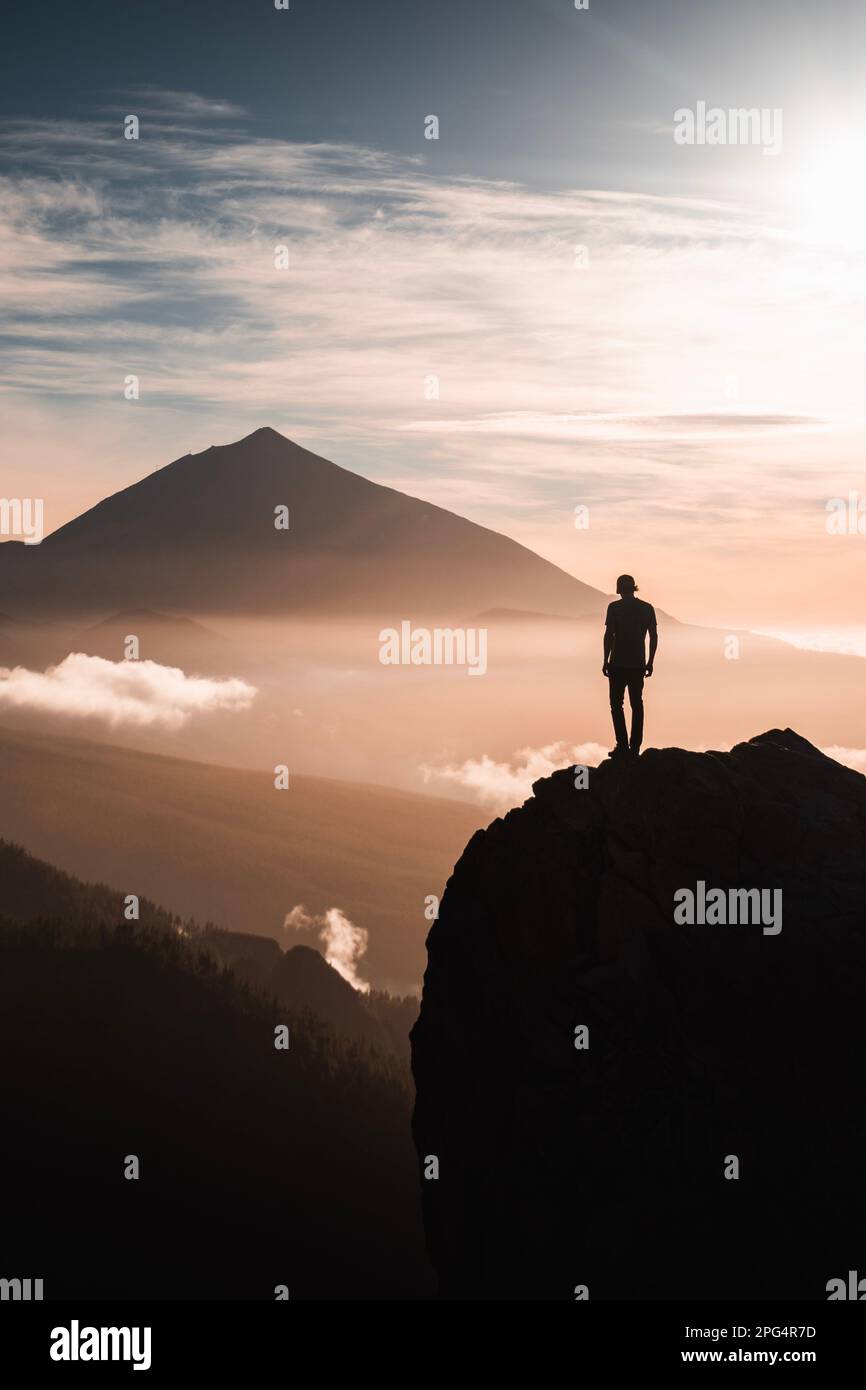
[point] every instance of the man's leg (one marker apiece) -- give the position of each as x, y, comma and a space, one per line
617, 680
635, 699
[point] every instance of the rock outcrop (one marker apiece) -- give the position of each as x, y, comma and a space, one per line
610, 1166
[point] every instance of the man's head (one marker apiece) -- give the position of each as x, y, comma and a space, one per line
625, 586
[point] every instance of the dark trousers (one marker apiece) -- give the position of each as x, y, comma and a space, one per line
620, 678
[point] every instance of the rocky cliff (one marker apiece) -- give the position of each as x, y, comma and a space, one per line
635, 1106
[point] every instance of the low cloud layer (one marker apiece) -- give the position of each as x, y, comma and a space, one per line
499, 786
851, 757
344, 943
137, 693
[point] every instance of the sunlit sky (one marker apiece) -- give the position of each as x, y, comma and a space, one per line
694, 377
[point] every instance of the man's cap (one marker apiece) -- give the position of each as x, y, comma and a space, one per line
625, 581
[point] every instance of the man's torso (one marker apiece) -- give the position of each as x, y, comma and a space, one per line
629, 620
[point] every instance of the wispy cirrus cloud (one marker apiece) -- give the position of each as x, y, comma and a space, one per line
135, 693
149, 99
625, 429
472, 281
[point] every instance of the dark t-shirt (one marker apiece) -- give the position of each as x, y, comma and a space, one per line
628, 622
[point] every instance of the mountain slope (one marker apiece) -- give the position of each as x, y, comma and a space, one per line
299, 978
222, 844
198, 536
607, 1165
258, 1166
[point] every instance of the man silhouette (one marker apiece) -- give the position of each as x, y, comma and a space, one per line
626, 662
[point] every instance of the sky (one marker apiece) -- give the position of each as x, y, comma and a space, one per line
553, 305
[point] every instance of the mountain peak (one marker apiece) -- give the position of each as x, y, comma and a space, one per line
346, 546
587, 1062
263, 436
265, 432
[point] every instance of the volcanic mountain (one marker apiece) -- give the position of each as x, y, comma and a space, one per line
200, 536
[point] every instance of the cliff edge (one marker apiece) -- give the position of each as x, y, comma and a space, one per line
638, 1077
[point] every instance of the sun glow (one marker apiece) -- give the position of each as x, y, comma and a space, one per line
829, 195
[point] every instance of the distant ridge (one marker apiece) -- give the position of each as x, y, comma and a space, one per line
206, 840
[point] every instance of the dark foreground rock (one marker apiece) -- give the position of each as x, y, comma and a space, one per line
605, 1166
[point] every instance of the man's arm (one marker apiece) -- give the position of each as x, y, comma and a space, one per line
654, 642
608, 643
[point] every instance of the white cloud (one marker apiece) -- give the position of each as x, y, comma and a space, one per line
499, 786
851, 757
344, 943
137, 693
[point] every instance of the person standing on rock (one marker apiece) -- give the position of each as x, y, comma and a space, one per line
626, 627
